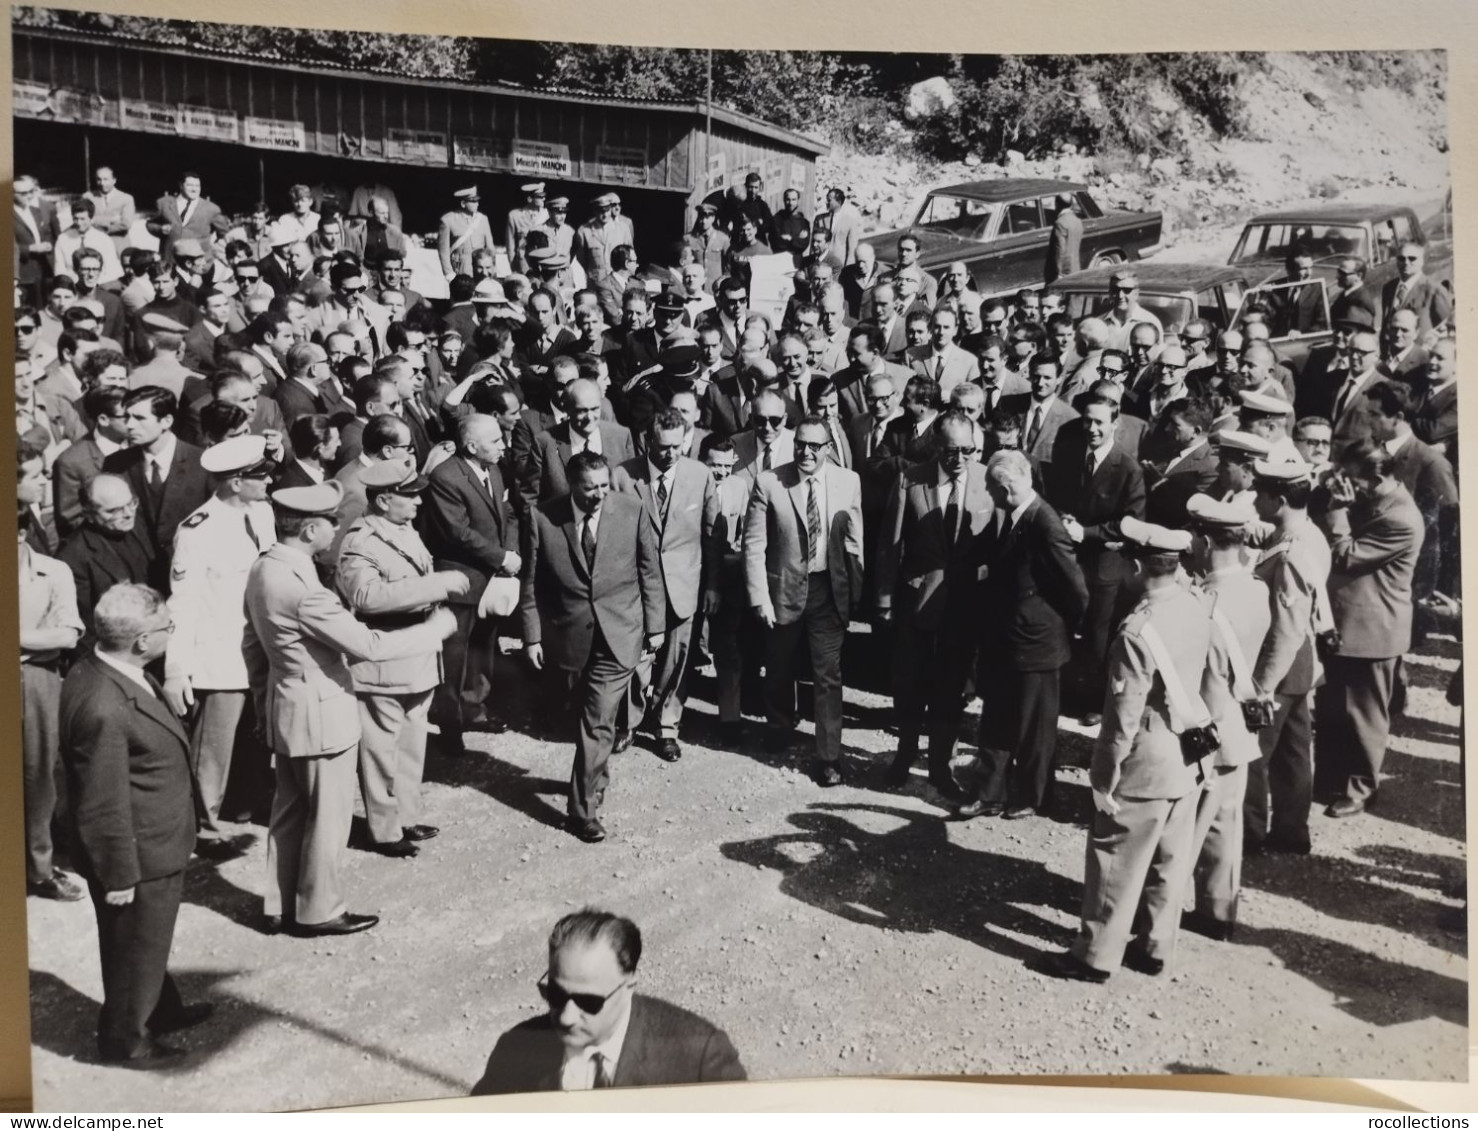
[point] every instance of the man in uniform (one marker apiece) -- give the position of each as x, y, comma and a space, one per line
1267, 415
298, 636
1145, 788
462, 233
599, 236
523, 220
214, 550
385, 576
711, 244
1241, 616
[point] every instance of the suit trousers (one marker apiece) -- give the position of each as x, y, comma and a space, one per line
212, 741
312, 812
657, 687
601, 689
392, 756
1281, 781
725, 627
1018, 734
930, 668
824, 629
133, 943
1105, 611
1139, 863
1354, 721
1217, 843
41, 693
467, 657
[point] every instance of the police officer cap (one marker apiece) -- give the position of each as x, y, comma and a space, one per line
1206, 511
1282, 471
549, 257
1148, 536
606, 199
320, 499
710, 209
1265, 404
1244, 444
535, 187
559, 202
395, 475
164, 323
235, 456
188, 247
1356, 318
669, 299
467, 193
681, 361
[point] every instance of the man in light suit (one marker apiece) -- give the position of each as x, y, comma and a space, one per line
593, 602
1415, 291
843, 225
187, 214
545, 477
803, 573
471, 524
128, 780
943, 361
1043, 412
348, 303
385, 576
678, 496
298, 637
598, 1032
927, 588
769, 444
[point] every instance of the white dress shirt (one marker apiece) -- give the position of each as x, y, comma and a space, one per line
578, 1072
579, 443
134, 673
162, 459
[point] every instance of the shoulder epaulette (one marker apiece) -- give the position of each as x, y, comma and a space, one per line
195, 520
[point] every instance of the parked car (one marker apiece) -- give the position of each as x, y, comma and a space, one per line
1174, 292
1000, 229
1296, 313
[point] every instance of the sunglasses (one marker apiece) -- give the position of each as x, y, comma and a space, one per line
355, 290
556, 996
809, 446
772, 421
25, 328
958, 453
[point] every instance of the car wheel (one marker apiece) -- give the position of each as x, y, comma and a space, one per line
1106, 259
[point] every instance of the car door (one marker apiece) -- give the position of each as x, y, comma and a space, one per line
1017, 249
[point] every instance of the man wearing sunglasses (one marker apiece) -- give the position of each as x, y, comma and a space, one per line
598, 1031
1413, 290
1126, 312
350, 302
1351, 415
769, 444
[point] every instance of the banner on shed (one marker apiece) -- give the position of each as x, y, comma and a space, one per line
274, 133
541, 158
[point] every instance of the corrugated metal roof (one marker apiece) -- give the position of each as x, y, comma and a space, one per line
719, 113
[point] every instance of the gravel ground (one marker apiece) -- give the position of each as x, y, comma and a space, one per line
844, 931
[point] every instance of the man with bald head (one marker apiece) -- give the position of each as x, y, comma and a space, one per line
1258, 368
109, 546
858, 279
729, 401
1351, 413
544, 475
769, 443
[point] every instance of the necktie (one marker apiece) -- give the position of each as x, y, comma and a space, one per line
765, 463
156, 481
990, 400
602, 1074
952, 512
1088, 469
875, 438
250, 533
939, 367
1344, 397
587, 541
1033, 428
662, 497
813, 522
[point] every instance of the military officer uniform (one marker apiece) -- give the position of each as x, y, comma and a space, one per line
386, 577
214, 550
1139, 857
1240, 621
297, 640
1295, 568
595, 241
523, 220
460, 235
712, 247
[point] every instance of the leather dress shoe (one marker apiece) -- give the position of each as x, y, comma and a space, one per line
1017, 812
401, 849
624, 739
1091, 719
1293, 846
1201, 924
978, 808
1066, 965
419, 832
185, 1018
488, 724
219, 849
275, 924
669, 750
898, 770
1346, 807
345, 924
591, 831
1142, 963
828, 774
155, 1055
57, 886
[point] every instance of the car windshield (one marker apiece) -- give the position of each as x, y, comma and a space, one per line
1291, 310
957, 215
1322, 241
1173, 311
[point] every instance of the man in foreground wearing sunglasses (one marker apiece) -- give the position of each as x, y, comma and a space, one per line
599, 1032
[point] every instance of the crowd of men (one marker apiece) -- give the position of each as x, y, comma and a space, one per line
278, 512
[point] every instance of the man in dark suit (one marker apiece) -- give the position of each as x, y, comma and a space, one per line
1375, 537
107, 547
908, 439
470, 524
1042, 412
593, 602
1064, 245
1435, 422
1351, 411
544, 475
1402, 358
927, 588
84, 459
1033, 596
543, 338
1190, 470
36, 232
163, 471
187, 215
1093, 485
128, 777
1413, 290
598, 1032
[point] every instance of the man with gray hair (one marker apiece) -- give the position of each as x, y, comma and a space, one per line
128, 778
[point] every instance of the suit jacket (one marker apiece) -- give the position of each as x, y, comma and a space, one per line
298, 641
1116, 490
1353, 424
1168, 493
1409, 367
34, 266
205, 224
1319, 383
959, 366
564, 598
925, 571
200, 348
1427, 477
294, 474
1041, 451
187, 486
1428, 299
776, 562
664, 1045
1034, 593
100, 561
1130, 433
1373, 551
69, 474
725, 405
128, 778
294, 400
901, 448
529, 356
1436, 419
467, 528
266, 417
749, 455
692, 507
544, 477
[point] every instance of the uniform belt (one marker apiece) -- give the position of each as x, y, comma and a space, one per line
390, 621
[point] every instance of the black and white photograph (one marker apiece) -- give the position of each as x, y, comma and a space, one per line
549, 565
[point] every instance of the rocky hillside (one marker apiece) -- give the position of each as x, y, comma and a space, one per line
1314, 130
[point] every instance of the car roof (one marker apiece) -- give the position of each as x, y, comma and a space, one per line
1331, 213
1007, 188
1168, 277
